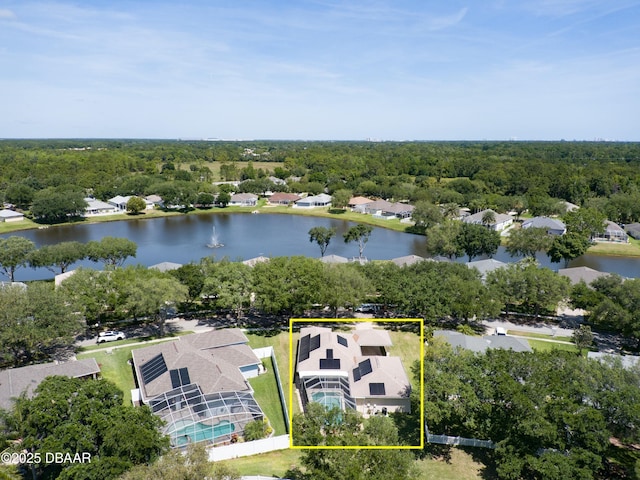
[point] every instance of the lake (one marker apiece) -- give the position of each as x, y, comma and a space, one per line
183, 239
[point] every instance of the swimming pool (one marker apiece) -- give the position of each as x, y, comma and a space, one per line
198, 432
328, 399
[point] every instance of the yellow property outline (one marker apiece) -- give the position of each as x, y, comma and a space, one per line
292, 321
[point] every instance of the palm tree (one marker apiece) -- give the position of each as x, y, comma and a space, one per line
488, 218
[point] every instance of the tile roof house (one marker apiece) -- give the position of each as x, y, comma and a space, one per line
553, 226
7, 215
502, 220
351, 370
281, 198
15, 381
356, 201
198, 385
334, 259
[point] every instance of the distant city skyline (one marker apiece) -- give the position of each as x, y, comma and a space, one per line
387, 70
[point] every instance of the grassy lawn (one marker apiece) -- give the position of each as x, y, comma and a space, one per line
114, 367
406, 345
273, 464
631, 249
461, 466
545, 346
539, 335
280, 344
266, 394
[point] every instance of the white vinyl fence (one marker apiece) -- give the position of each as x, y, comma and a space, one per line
236, 450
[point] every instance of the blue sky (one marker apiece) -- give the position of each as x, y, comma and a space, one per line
321, 69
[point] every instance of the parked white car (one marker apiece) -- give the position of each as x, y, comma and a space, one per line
110, 336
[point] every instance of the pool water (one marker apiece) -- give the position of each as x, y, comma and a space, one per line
328, 400
198, 432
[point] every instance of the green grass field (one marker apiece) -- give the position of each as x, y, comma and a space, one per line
461, 466
114, 367
543, 346
266, 394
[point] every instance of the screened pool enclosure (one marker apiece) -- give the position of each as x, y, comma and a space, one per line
192, 417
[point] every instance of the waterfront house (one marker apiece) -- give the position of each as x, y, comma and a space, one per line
322, 200
97, 207
551, 225
282, 198
7, 215
501, 220
612, 233
243, 200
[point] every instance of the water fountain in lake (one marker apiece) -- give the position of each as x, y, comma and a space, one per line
215, 241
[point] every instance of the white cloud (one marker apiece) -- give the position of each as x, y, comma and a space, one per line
6, 14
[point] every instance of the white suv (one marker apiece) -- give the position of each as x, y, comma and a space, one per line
110, 336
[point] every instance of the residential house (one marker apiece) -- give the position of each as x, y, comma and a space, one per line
281, 198
322, 200
486, 266
581, 274
97, 207
408, 260
334, 259
7, 215
166, 266
198, 385
120, 203
501, 220
252, 262
612, 233
16, 381
356, 202
633, 230
244, 200
351, 370
551, 225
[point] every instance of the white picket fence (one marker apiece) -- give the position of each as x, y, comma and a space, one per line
466, 442
245, 449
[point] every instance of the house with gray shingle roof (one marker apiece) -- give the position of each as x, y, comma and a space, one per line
198, 385
578, 274
551, 225
351, 370
16, 381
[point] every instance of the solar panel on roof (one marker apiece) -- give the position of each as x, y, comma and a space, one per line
175, 378
356, 374
365, 367
153, 369
330, 364
184, 376
342, 341
376, 389
304, 348
314, 343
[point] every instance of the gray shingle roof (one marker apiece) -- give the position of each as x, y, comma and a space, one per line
14, 381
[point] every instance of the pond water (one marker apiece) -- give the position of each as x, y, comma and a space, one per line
183, 239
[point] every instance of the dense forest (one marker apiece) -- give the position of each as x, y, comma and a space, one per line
498, 175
